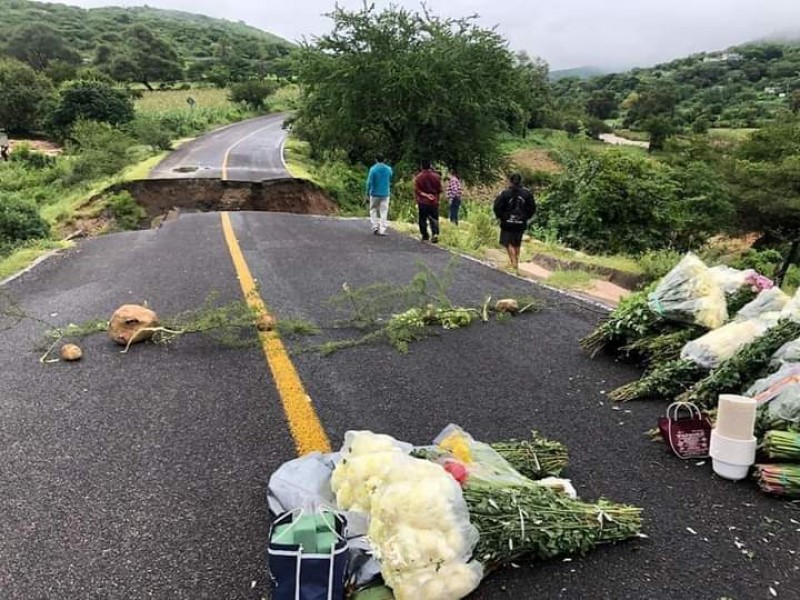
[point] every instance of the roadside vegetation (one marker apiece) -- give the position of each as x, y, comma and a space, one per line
719, 177
111, 91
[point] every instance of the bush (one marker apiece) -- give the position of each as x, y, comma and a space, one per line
23, 153
126, 212
20, 220
27, 96
91, 100
596, 127
151, 132
765, 262
253, 93
98, 150
618, 203
657, 263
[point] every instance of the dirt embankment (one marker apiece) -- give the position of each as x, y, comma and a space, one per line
161, 197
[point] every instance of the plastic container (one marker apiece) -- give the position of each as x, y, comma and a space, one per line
731, 458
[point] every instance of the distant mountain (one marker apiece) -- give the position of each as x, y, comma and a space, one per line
579, 72
744, 86
199, 41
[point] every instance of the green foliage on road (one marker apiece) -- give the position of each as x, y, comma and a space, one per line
412, 86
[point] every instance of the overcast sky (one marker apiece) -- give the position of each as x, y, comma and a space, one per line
566, 33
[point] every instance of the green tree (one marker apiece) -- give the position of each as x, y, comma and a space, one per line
145, 58
92, 100
26, 97
39, 45
411, 86
601, 104
253, 92
534, 89
767, 178
618, 202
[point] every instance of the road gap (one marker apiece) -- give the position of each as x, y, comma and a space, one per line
163, 198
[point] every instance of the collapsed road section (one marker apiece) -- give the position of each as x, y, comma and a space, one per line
164, 198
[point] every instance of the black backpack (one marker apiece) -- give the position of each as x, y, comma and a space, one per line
515, 209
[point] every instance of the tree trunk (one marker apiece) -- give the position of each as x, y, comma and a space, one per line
148, 86
788, 261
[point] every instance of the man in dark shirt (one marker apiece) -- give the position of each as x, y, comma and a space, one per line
514, 207
427, 189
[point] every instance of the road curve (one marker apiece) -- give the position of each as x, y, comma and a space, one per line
251, 150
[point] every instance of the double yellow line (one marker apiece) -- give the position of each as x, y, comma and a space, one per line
304, 424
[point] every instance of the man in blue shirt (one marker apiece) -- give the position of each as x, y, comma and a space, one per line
379, 185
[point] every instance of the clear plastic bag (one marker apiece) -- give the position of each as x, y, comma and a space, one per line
768, 301
729, 279
482, 461
792, 308
710, 350
690, 294
779, 394
787, 354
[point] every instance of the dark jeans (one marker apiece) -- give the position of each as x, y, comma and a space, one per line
428, 212
455, 204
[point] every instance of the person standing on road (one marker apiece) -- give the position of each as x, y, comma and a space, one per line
379, 185
514, 207
427, 189
454, 195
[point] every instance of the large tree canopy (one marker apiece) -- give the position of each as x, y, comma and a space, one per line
39, 45
26, 97
767, 178
411, 86
146, 58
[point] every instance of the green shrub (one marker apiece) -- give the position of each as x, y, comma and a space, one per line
126, 212
765, 262
152, 132
91, 100
23, 153
616, 202
657, 263
20, 220
97, 150
253, 92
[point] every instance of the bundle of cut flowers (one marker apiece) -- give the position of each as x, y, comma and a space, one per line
689, 300
782, 445
780, 480
691, 382
434, 539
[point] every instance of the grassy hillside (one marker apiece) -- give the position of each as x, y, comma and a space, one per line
200, 42
742, 87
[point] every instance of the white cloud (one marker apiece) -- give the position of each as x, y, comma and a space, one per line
568, 33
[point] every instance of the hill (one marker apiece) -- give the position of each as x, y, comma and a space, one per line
96, 35
741, 87
579, 72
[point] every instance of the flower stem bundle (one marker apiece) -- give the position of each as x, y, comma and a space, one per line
535, 458
782, 445
536, 521
780, 480
664, 382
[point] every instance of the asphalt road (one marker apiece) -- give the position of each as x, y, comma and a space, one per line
246, 151
143, 475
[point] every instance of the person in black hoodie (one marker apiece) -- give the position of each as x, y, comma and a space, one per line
514, 207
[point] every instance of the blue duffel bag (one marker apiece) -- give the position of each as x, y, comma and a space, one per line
308, 556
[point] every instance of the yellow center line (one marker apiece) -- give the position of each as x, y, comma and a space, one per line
227, 156
304, 424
